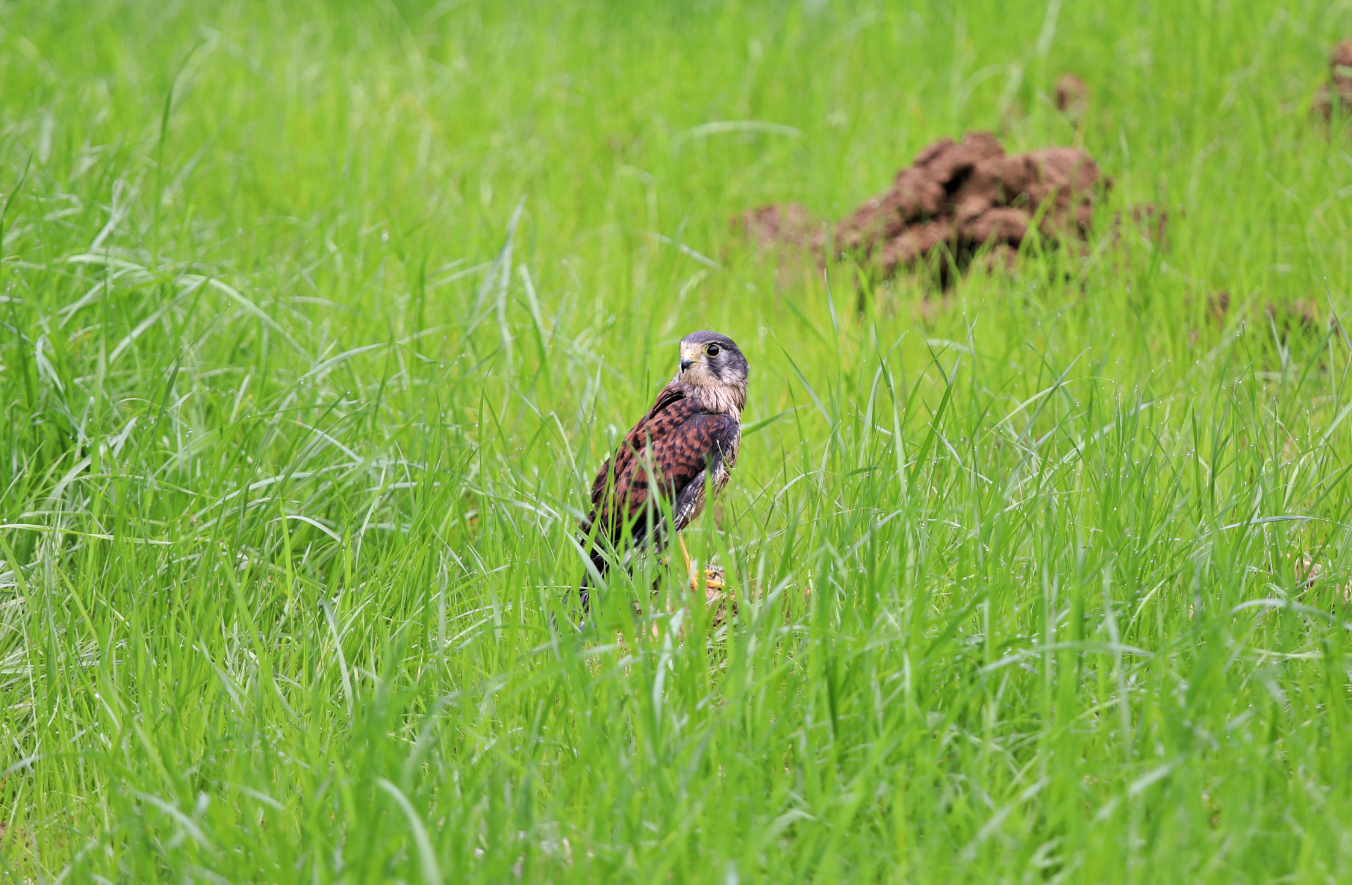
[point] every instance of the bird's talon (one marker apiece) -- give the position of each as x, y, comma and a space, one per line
717, 598
712, 579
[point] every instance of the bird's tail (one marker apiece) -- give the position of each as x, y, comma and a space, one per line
601, 564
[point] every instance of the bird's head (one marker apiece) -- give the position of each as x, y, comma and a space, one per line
709, 359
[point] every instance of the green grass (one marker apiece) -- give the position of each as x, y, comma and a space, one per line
317, 321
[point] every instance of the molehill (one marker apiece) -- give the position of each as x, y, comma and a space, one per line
1338, 90
957, 200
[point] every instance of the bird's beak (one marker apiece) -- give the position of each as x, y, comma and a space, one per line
690, 356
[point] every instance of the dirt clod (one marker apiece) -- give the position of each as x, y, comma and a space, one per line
1072, 95
787, 223
1151, 217
956, 199
1338, 90
1308, 572
1298, 316
1217, 306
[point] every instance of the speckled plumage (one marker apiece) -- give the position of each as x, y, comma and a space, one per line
686, 441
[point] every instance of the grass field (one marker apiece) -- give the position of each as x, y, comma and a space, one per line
317, 318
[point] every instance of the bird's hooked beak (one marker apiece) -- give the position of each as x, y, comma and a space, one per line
690, 356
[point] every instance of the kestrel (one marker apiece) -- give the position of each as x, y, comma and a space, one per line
688, 440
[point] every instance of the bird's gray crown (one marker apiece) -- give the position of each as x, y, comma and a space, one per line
711, 338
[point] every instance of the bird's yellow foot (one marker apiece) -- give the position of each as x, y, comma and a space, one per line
713, 579
717, 598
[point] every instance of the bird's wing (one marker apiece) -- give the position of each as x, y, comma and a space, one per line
678, 440
619, 463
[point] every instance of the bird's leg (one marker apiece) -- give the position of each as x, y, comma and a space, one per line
713, 576
685, 554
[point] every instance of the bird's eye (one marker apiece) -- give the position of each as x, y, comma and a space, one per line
712, 350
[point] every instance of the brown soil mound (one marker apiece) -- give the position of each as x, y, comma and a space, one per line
1147, 218
1301, 315
955, 199
1072, 95
789, 223
1217, 306
1338, 90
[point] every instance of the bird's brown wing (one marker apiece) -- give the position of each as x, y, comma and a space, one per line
618, 463
678, 439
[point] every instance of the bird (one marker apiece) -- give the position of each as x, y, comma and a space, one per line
686, 441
